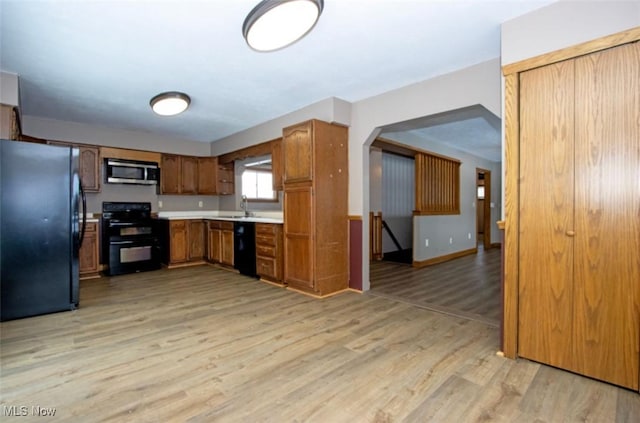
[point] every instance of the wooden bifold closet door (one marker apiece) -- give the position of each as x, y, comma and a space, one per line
579, 250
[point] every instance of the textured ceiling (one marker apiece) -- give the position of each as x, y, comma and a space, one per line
99, 62
473, 129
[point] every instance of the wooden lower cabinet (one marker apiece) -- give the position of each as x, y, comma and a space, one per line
220, 242
89, 253
185, 242
269, 255
196, 240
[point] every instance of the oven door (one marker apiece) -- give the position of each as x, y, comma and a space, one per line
133, 254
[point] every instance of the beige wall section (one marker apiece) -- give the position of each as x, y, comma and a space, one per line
564, 24
478, 84
9, 89
330, 110
89, 134
111, 137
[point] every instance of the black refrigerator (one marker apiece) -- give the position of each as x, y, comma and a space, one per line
40, 229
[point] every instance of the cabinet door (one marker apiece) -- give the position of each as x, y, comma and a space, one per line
214, 252
225, 185
297, 152
546, 214
298, 237
170, 174
196, 240
607, 231
189, 175
88, 256
277, 164
227, 247
179, 241
8, 123
90, 168
207, 175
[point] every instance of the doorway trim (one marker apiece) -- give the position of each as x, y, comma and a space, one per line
486, 220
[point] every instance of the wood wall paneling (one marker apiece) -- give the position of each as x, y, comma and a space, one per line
437, 185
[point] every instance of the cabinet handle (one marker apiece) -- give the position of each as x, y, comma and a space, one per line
571, 233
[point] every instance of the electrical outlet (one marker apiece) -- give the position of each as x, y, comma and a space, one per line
469, 236
426, 242
451, 240
492, 205
200, 204
160, 204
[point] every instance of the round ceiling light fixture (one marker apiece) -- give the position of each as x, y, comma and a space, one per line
170, 103
275, 24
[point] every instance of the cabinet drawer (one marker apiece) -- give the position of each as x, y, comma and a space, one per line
91, 227
267, 240
265, 251
266, 267
220, 224
266, 228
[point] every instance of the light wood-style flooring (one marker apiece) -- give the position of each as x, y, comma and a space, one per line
202, 344
467, 287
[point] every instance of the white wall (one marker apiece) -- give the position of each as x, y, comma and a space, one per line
329, 110
565, 24
9, 89
90, 134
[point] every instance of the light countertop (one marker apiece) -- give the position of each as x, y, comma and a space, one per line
234, 216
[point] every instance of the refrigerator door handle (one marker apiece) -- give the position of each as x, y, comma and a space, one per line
83, 195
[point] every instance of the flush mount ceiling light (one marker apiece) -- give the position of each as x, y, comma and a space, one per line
275, 24
170, 103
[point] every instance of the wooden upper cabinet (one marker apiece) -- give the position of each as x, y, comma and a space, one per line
189, 175
196, 175
9, 129
207, 175
225, 183
297, 147
170, 174
90, 168
277, 165
89, 164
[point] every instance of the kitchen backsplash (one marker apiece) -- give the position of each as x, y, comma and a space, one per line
142, 193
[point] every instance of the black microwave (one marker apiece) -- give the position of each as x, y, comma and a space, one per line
119, 171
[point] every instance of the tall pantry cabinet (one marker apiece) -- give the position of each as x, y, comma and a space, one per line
579, 215
315, 207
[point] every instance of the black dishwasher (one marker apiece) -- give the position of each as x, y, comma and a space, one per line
244, 248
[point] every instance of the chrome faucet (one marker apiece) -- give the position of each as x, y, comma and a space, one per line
244, 205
